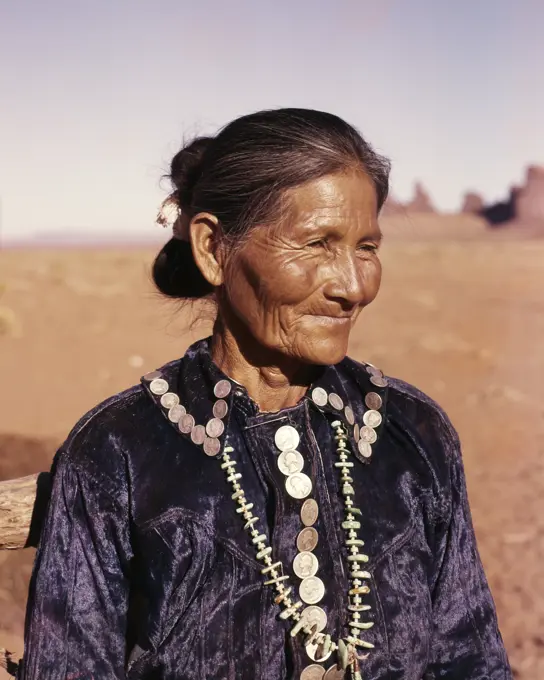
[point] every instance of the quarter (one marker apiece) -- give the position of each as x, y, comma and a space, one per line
333, 673
378, 380
373, 401
315, 616
290, 462
372, 370
309, 512
286, 437
312, 590
298, 485
158, 386
307, 539
305, 564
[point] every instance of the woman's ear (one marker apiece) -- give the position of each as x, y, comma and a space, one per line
204, 235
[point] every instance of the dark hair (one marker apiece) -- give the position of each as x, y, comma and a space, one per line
241, 175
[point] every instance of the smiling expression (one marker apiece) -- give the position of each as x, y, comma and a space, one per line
298, 287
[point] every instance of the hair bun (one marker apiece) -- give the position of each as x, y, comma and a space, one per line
186, 168
176, 274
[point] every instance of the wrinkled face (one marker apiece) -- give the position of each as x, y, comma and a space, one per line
299, 287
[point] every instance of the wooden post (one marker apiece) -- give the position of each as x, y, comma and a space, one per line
22, 506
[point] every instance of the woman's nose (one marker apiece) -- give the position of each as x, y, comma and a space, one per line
347, 281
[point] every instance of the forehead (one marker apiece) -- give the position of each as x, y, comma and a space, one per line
344, 196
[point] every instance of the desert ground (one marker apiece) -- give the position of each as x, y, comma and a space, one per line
460, 314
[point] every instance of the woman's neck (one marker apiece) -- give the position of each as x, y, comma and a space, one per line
272, 382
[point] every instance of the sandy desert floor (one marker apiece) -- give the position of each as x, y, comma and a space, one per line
460, 314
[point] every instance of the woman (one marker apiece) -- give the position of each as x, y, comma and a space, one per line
265, 508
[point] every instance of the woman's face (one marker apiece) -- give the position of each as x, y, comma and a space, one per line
298, 288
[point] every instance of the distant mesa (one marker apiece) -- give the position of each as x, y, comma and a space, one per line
524, 205
421, 202
473, 203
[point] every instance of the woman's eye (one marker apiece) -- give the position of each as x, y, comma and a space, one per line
319, 243
369, 247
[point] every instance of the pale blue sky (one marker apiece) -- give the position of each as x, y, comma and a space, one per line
97, 96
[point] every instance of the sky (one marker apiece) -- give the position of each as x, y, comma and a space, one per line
96, 97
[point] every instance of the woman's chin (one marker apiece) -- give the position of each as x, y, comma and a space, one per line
324, 352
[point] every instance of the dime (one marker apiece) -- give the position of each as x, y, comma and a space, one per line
305, 564
307, 539
175, 413
364, 448
186, 423
335, 401
290, 462
220, 408
198, 434
333, 673
286, 437
222, 389
298, 485
309, 512
319, 396
348, 412
151, 376
372, 418
368, 434
356, 432
373, 401
372, 370
312, 590
312, 650
211, 446
215, 427
378, 381
313, 672
158, 386
315, 616
169, 399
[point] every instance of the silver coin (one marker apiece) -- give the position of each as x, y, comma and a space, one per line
368, 434
198, 434
356, 432
315, 616
365, 449
169, 399
335, 401
305, 564
186, 423
215, 427
158, 386
286, 437
307, 539
290, 462
334, 673
298, 485
348, 412
372, 418
319, 396
152, 376
373, 370
222, 389
311, 590
175, 413
309, 512
312, 650
373, 401
220, 408
378, 381
313, 672
211, 446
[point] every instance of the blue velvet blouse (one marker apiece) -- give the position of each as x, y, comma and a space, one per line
144, 570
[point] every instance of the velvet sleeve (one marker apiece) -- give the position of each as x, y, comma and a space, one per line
77, 607
466, 641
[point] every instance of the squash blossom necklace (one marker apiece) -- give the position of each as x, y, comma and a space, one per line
309, 622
